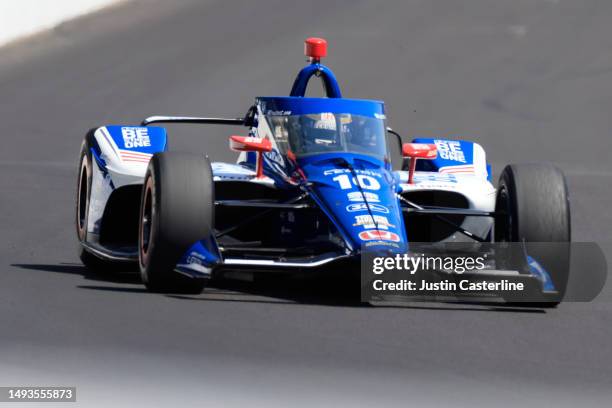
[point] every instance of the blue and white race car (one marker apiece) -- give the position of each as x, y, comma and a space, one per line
313, 186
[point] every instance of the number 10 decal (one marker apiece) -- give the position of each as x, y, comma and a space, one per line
366, 182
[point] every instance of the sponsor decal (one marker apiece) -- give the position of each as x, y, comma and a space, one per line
379, 236
195, 258
450, 150
426, 186
278, 113
358, 196
378, 243
347, 171
365, 182
461, 169
369, 222
226, 169
134, 137
364, 207
420, 177
135, 157
253, 139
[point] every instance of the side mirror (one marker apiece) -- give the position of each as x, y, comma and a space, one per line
252, 144
415, 151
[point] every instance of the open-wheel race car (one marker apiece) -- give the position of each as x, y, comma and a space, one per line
313, 185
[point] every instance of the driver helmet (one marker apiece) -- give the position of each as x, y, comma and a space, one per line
320, 129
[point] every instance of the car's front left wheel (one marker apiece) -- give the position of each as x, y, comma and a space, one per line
533, 207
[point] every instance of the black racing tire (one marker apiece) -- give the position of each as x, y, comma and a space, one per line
83, 196
536, 201
177, 210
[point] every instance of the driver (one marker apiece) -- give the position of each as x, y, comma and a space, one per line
319, 132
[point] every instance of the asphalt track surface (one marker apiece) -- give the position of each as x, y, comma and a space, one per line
528, 79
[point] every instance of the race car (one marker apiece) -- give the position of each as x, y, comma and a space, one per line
313, 185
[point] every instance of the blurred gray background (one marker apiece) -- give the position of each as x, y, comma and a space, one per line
528, 79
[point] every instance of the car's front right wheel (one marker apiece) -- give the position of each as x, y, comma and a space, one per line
177, 210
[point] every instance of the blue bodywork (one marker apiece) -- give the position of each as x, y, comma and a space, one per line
141, 139
365, 212
335, 201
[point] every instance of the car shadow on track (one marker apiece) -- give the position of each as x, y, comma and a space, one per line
322, 292
266, 289
79, 269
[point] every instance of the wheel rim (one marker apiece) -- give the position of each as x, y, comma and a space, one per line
503, 224
82, 199
146, 221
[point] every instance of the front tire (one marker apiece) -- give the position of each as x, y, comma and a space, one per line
83, 198
535, 199
177, 210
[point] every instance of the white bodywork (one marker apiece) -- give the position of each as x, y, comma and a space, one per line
469, 180
122, 167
